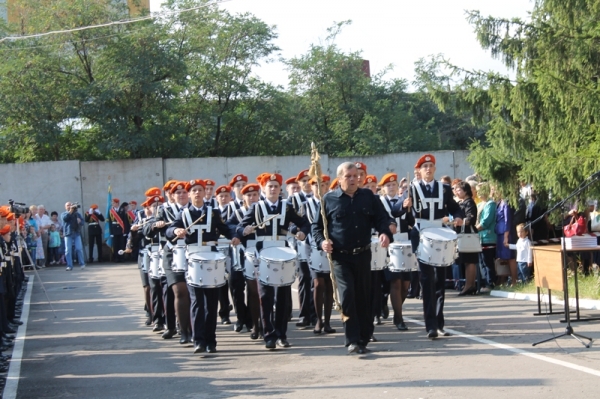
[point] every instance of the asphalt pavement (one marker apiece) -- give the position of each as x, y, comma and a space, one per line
90, 342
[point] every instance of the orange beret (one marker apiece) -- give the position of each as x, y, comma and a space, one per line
118, 201
370, 179
209, 182
237, 178
178, 185
272, 177
291, 180
195, 182
153, 200
133, 202
168, 186
5, 230
360, 165
423, 159
302, 175
152, 192
324, 179
388, 177
250, 188
334, 184
94, 206
4, 211
260, 177
10, 217
223, 189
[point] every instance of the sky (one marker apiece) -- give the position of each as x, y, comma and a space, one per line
387, 32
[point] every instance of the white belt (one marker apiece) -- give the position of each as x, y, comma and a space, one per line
270, 238
426, 223
93, 223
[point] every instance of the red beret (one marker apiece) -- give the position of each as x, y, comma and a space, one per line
222, 189
389, 177
209, 182
324, 179
272, 177
177, 185
291, 180
425, 158
118, 201
195, 182
5, 230
133, 202
260, 177
370, 179
153, 200
4, 211
250, 188
334, 184
302, 175
168, 185
237, 178
360, 165
152, 192
10, 217
94, 206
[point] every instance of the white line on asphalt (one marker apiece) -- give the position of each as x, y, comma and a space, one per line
516, 350
14, 371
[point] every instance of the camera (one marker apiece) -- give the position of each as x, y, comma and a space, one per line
75, 205
18, 208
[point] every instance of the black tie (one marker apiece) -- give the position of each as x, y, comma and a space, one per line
273, 208
428, 189
393, 201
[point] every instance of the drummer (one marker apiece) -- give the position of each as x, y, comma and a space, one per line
204, 301
323, 287
236, 183
430, 206
275, 333
397, 207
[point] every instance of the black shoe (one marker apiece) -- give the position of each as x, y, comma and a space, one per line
168, 334
198, 348
238, 327
6, 336
317, 332
401, 326
254, 335
211, 349
270, 344
303, 323
443, 333
353, 348
329, 330
468, 291
186, 338
378, 322
372, 339
148, 321
225, 320
16, 322
410, 296
6, 342
361, 350
283, 343
158, 327
9, 330
432, 334
385, 311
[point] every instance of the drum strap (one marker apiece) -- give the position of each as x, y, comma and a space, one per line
386, 205
312, 204
239, 213
297, 204
425, 202
263, 207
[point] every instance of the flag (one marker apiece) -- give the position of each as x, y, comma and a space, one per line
107, 237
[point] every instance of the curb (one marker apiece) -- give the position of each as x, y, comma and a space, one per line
589, 304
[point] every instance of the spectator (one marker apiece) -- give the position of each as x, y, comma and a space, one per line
44, 222
39, 254
506, 235
56, 221
524, 253
73, 222
486, 226
53, 245
463, 191
31, 241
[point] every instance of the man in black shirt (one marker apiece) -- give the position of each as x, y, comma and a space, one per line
351, 213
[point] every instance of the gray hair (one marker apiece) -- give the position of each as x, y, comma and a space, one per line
344, 167
41, 206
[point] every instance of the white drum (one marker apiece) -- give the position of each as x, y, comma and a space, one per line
206, 270
402, 258
224, 249
180, 262
277, 266
318, 260
303, 251
145, 260
251, 263
156, 271
378, 255
437, 246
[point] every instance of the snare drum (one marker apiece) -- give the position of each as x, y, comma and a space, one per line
155, 263
224, 249
378, 255
277, 266
145, 260
437, 246
402, 258
318, 261
251, 264
180, 262
303, 251
206, 270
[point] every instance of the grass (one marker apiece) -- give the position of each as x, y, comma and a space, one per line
589, 287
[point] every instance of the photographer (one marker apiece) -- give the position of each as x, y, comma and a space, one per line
73, 222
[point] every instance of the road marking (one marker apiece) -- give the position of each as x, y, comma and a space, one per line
14, 371
516, 350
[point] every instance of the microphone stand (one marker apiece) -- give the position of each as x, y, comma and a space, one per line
593, 179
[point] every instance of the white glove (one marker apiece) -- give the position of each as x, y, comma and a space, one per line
97, 211
91, 210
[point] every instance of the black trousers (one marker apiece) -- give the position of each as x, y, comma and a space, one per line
305, 295
274, 327
118, 243
353, 276
156, 295
237, 285
95, 238
433, 283
169, 302
204, 302
377, 278
224, 303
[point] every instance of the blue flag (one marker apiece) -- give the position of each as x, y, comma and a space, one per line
107, 237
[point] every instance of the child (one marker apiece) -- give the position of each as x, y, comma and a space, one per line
31, 241
524, 253
53, 245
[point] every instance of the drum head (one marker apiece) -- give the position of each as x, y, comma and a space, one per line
439, 234
278, 254
206, 256
401, 244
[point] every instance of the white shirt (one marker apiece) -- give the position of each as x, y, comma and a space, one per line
524, 251
43, 221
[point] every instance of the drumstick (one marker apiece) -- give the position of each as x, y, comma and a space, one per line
262, 225
188, 228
